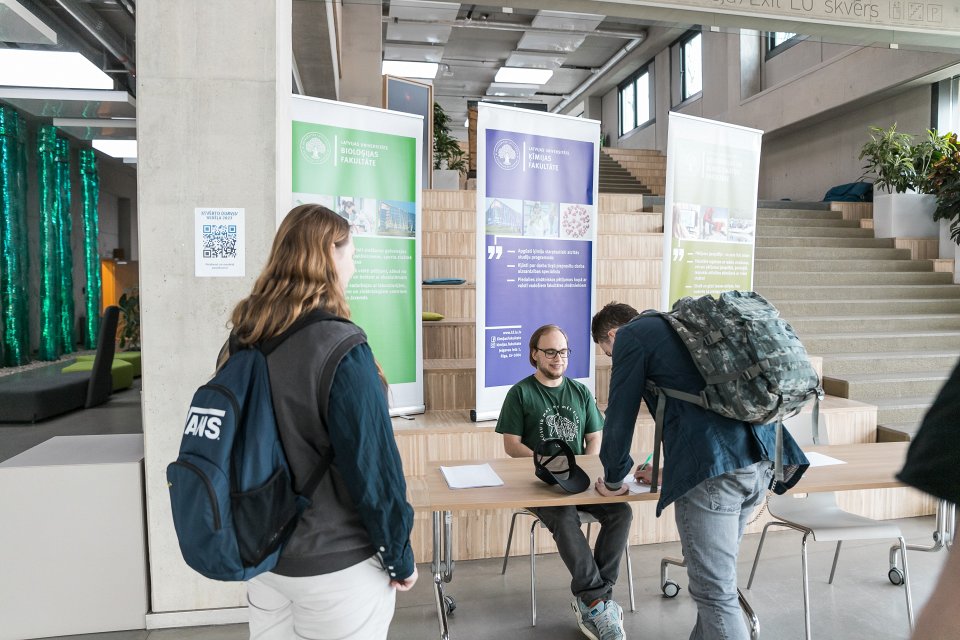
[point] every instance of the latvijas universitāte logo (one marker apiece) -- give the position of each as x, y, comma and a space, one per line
506, 153
314, 147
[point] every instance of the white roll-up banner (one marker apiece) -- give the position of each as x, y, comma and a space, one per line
537, 176
710, 208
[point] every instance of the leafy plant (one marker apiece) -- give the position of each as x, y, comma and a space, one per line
889, 157
447, 153
129, 331
944, 179
926, 154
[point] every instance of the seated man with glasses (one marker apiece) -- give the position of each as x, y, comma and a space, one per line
549, 405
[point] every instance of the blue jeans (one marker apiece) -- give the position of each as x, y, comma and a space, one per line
711, 518
594, 572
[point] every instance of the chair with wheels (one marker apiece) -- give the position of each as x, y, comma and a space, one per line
585, 518
818, 516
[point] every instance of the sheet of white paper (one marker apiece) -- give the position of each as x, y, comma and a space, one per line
820, 460
471, 475
634, 486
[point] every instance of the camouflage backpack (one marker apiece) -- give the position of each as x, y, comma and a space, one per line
754, 366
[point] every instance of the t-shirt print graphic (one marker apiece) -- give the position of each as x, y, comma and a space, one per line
562, 427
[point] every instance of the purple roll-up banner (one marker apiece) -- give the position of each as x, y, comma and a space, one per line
537, 176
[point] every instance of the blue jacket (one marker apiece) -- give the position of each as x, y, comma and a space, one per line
697, 444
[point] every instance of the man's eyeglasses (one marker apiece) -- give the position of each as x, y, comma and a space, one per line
553, 353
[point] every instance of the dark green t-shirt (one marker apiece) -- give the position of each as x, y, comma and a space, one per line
536, 412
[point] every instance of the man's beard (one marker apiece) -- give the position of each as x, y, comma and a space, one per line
550, 374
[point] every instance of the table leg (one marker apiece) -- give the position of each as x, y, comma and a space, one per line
442, 567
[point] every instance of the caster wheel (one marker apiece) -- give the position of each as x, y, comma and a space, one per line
450, 604
895, 575
670, 589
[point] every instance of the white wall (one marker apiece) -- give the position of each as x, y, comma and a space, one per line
802, 165
818, 96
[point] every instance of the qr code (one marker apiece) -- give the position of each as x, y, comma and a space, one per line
219, 241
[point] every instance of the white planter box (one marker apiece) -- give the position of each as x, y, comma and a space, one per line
446, 179
73, 520
904, 215
948, 247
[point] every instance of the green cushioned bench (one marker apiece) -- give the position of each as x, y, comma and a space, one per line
121, 371
133, 357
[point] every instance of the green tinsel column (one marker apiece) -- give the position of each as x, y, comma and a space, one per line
90, 192
13, 241
64, 250
49, 239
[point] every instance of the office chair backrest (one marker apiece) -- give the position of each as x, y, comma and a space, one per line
800, 427
101, 378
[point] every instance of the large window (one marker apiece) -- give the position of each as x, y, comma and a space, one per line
691, 66
635, 101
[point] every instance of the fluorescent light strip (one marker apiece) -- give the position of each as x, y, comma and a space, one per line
55, 69
406, 69
117, 148
522, 75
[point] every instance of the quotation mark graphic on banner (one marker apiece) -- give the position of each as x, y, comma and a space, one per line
494, 252
677, 254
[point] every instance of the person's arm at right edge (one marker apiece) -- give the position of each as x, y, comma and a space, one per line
367, 458
623, 404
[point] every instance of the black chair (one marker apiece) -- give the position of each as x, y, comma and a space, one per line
101, 381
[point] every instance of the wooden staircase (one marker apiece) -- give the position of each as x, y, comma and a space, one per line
621, 170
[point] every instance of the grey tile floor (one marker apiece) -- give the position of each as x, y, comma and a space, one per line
860, 605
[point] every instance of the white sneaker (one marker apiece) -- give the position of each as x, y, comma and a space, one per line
603, 621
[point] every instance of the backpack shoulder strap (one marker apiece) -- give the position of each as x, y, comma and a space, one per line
328, 369
327, 372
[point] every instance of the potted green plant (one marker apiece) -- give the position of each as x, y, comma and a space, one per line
944, 178
448, 158
129, 330
901, 207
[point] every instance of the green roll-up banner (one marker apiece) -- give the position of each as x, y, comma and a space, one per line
363, 164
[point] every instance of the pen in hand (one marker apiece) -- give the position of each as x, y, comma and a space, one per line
645, 463
639, 473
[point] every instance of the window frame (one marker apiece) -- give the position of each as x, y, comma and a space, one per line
631, 83
771, 50
682, 66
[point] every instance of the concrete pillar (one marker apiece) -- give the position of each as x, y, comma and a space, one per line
361, 53
213, 88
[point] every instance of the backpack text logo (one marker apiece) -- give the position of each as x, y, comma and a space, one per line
204, 422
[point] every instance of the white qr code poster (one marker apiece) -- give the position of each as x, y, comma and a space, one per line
220, 243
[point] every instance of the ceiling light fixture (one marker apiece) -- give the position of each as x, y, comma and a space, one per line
520, 75
406, 69
54, 69
117, 148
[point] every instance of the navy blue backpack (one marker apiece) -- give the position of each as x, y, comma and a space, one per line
231, 492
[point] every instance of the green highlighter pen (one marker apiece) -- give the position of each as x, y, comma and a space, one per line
646, 462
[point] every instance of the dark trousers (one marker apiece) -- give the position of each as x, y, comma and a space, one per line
594, 572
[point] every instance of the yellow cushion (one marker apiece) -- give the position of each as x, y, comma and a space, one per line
430, 315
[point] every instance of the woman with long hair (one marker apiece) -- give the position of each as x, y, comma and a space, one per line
338, 574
